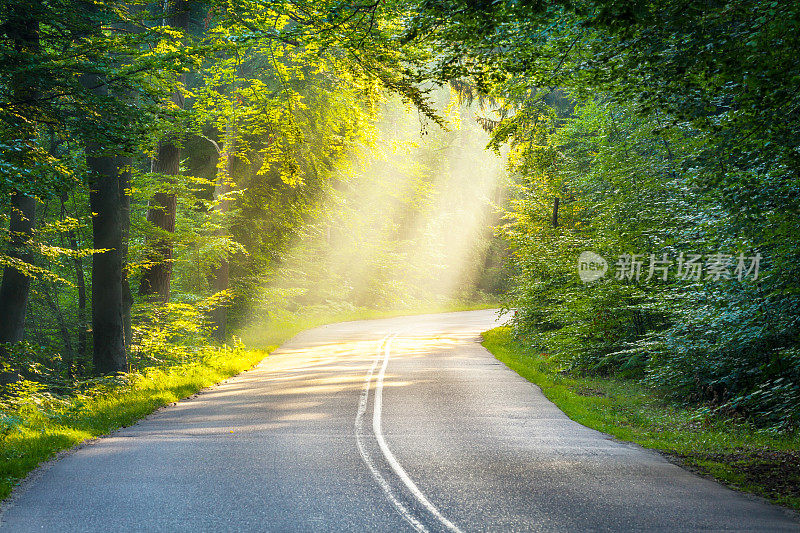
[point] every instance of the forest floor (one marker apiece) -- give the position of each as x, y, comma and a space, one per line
731, 451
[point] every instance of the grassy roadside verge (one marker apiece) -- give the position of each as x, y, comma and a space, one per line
37, 431
732, 452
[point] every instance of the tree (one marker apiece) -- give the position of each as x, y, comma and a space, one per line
16, 281
162, 211
108, 325
106, 199
698, 92
22, 30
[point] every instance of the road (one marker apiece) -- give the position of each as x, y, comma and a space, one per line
403, 424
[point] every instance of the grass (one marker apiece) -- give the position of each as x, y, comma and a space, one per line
43, 429
731, 451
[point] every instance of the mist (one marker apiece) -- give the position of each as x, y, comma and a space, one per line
407, 222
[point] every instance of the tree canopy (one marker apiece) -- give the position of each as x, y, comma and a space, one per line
218, 161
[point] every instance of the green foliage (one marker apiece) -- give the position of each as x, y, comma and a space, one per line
168, 333
662, 128
627, 186
403, 222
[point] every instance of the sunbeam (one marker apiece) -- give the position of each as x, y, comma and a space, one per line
407, 222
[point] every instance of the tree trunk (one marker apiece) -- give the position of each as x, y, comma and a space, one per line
24, 32
80, 283
124, 163
16, 285
107, 267
162, 209
556, 201
161, 214
127, 297
105, 200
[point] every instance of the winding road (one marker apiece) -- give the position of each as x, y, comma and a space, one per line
403, 424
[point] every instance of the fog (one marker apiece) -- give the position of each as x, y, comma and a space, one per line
408, 221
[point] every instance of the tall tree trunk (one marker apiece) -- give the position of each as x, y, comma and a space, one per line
80, 283
162, 209
109, 353
108, 336
125, 163
24, 32
127, 297
16, 285
161, 213
556, 201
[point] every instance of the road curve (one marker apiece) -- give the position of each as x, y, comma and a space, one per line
403, 424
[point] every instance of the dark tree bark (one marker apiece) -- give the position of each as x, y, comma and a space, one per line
105, 199
24, 33
161, 213
556, 201
16, 285
124, 163
80, 284
127, 297
162, 210
109, 354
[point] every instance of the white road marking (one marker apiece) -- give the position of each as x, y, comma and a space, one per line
387, 453
362, 408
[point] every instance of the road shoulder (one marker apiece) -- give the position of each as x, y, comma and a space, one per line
731, 452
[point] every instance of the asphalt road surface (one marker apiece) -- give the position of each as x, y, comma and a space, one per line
388, 425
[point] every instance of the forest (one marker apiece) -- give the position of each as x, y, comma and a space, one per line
177, 178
